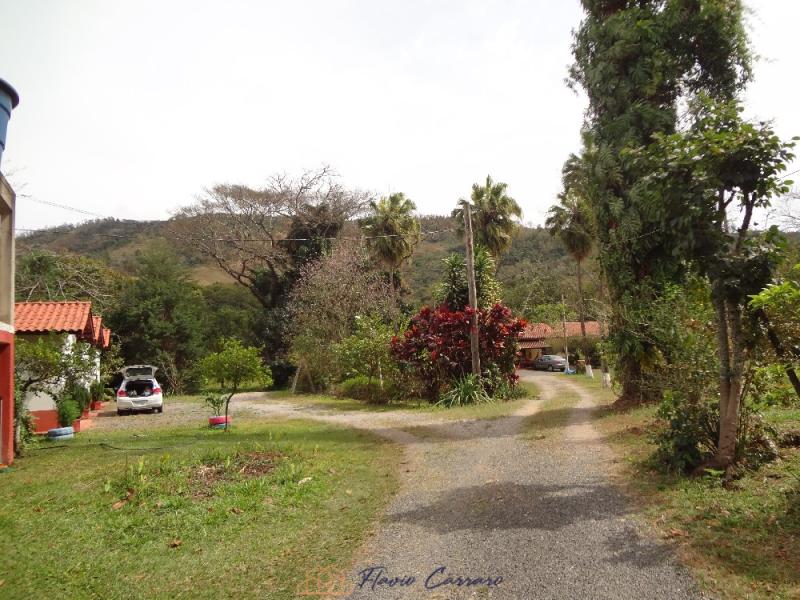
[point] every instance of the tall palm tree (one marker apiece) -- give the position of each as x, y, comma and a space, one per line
391, 231
495, 216
571, 221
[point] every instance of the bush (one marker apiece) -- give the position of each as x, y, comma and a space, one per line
97, 391
466, 390
770, 387
80, 395
362, 388
690, 434
68, 412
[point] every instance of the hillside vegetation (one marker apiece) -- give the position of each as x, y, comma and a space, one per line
535, 271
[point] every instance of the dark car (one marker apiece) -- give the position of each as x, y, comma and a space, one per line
550, 362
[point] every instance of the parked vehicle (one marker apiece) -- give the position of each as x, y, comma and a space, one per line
139, 390
550, 362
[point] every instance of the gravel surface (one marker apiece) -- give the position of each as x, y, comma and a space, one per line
478, 501
482, 502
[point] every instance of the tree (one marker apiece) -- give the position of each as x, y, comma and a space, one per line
571, 221
495, 216
324, 304
702, 180
638, 62
262, 237
161, 317
233, 366
46, 276
391, 232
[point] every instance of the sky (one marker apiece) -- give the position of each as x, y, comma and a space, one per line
129, 109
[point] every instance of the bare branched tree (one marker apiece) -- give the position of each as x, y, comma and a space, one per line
257, 236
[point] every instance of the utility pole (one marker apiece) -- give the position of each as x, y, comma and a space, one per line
473, 295
564, 326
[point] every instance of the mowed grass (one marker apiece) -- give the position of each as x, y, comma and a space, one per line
189, 512
742, 542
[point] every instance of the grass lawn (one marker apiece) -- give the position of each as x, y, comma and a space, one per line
742, 542
189, 512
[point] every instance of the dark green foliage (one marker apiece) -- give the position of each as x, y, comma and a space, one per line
453, 291
636, 61
68, 412
160, 318
79, 394
495, 216
689, 433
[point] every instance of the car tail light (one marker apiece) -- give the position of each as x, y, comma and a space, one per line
157, 390
122, 394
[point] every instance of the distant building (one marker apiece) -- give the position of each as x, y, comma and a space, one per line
541, 338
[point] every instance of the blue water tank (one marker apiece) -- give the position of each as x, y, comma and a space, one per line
8, 100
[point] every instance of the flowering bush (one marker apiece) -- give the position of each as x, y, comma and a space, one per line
436, 346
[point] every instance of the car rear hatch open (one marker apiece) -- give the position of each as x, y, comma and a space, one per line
139, 372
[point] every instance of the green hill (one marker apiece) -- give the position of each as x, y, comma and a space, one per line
535, 271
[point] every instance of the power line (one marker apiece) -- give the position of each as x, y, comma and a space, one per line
66, 207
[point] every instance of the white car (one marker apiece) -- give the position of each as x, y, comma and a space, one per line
139, 390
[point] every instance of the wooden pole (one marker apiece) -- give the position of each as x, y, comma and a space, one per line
564, 325
473, 295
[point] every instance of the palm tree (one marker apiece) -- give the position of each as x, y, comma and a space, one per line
571, 221
495, 216
391, 232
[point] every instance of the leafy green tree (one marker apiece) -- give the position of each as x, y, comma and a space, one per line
233, 366
495, 216
698, 177
366, 352
453, 290
638, 62
571, 221
160, 318
391, 232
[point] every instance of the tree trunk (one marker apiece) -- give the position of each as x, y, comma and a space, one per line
581, 313
780, 351
729, 420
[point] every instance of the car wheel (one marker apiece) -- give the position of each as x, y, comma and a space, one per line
160, 409
550, 368
120, 413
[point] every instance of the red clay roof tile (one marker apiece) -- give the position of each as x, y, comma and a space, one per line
41, 317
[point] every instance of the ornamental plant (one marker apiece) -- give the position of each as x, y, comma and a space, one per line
436, 346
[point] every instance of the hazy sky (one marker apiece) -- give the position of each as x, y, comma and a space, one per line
129, 109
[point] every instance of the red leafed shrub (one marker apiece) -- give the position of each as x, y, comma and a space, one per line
436, 345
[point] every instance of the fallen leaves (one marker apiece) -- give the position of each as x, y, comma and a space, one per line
677, 533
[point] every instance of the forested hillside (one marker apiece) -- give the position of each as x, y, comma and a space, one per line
534, 273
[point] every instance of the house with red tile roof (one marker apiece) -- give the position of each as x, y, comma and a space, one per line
77, 324
540, 338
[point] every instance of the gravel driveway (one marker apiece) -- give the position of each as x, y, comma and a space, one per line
537, 520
